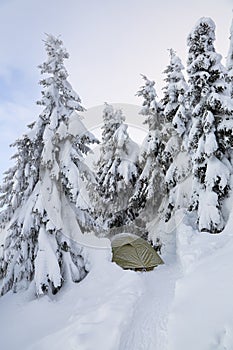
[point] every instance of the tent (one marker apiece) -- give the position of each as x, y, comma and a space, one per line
133, 252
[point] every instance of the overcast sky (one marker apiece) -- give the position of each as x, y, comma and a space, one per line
110, 43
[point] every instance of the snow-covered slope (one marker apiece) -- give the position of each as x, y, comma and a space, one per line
202, 313
148, 327
89, 315
184, 304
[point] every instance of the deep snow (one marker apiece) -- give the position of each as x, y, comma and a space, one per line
84, 316
202, 313
148, 327
184, 304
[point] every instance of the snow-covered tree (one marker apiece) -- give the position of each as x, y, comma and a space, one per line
20, 179
150, 182
229, 62
173, 101
174, 158
210, 136
116, 168
43, 189
174, 110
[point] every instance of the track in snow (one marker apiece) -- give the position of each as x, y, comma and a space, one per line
148, 327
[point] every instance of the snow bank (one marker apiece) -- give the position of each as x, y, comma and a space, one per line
102, 305
148, 327
202, 313
85, 316
112, 309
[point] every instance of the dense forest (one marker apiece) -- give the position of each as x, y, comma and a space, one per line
185, 161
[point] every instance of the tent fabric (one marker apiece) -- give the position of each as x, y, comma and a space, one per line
133, 252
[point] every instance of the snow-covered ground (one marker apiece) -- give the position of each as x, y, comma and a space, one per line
89, 315
184, 304
202, 313
148, 327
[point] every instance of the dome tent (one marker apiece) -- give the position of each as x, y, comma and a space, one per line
133, 252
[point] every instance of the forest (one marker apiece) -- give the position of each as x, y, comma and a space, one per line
51, 199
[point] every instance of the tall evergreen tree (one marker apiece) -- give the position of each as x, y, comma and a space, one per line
210, 136
174, 110
229, 62
174, 158
44, 186
149, 185
116, 168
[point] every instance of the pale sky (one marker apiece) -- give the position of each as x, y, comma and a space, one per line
110, 42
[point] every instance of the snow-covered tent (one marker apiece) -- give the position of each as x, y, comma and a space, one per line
133, 252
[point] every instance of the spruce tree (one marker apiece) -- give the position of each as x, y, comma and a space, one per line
229, 62
174, 110
174, 158
149, 186
210, 136
41, 245
117, 170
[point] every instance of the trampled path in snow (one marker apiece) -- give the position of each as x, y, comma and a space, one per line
111, 309
115, 309
148, 327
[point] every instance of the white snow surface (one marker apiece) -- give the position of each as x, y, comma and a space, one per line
184, 304
85, 316
202, 313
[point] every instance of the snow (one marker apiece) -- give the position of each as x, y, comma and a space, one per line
202, 312
229, 63
89, 315
76, 127
215, 168
203, 21
46, 264
148, 329
211, 144
209, 217
184, 304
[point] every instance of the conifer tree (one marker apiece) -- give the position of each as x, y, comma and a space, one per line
150, 183
116, 169
229, 62
174, 110
174, 158
210, 137
44, 186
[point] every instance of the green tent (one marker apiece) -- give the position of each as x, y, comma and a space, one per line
132, 252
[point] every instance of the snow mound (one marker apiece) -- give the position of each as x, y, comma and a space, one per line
202, 312
102, 306
85, 316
